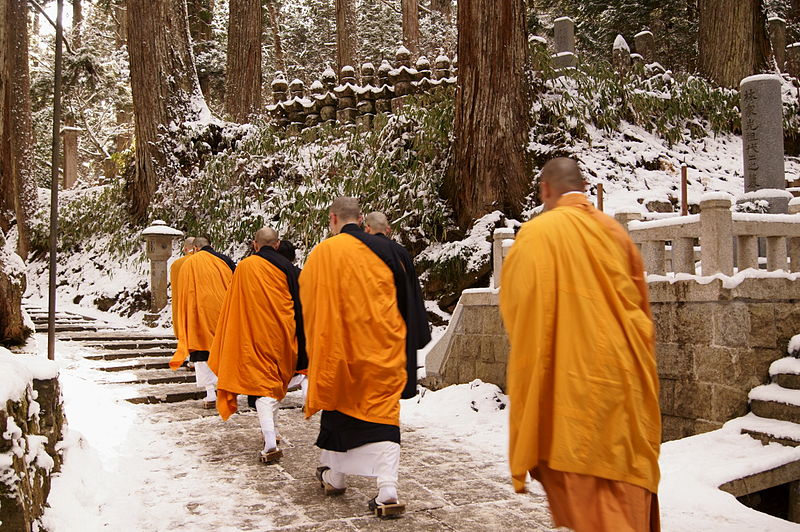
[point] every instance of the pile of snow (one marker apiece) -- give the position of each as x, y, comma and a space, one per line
17, 372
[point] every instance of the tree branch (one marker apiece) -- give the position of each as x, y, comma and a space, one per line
41, 10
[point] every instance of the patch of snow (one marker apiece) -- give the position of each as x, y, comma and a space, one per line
794, 344
635, 225
17, 371
621, 44
765, 193
774, 393
760, 77
785, 365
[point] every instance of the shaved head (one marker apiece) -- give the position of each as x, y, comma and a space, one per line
343, 211
559, 176
266, 236
200, 242
188, 244
347, 209
376, 222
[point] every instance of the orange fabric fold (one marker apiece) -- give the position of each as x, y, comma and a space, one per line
178, 318
255, 346
355, 334
202, 282
582, 374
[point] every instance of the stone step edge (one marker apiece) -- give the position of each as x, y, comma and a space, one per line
765, 438
775, 410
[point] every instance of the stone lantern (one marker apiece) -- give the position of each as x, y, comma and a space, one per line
158, 240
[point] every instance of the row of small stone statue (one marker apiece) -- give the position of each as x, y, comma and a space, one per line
348, 102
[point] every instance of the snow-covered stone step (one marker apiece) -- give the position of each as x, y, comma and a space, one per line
138, 363
770, 430
106, 334
61, 327
167, 393
776, 402
118, 354
786, 372
153, 376
125, 343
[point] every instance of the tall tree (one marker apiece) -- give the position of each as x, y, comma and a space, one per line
489, 168
732, 40
17, 187
77, 22
346, 32
164, 86
410, 9
277, 42
243, 71
201, 14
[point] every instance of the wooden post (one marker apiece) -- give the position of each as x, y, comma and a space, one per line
684, 198
600, 197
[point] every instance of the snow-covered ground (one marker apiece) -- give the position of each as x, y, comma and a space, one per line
118, 464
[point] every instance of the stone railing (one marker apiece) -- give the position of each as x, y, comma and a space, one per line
716, 228
348, 101
502, 239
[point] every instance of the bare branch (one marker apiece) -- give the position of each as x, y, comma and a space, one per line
41, 10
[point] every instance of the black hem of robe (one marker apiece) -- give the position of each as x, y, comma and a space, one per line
198, 356
340, 432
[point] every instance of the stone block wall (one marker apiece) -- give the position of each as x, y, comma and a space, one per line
475, 346
30, 429
714, 344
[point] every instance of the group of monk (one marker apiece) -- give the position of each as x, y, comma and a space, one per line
582, 382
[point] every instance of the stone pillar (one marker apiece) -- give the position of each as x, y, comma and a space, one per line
794, 243
645, 45
777, 37
366, 97
383, 97
762, 137
346, 95
70, 136
503, 233
441, 67
424, 74
158, 241
564, 33
623, 217
327, 103
792, 59
402, 77
683, 255
654, 256
716, 237
295, 108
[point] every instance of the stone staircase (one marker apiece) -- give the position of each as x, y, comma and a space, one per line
139, 357
776, 406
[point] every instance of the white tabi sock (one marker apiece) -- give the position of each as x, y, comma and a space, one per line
386, 493
211, 394
337, 480
266, 409
270, 443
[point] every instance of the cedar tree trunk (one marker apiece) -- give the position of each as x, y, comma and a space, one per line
17, 187
732, 40
274, 23
489, 169
346, 48
410, 10
164, 86
243, 71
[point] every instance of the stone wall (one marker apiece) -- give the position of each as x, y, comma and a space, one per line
30, 429
714, 344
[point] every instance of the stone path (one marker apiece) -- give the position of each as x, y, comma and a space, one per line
444, 487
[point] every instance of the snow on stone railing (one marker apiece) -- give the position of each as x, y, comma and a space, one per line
716, 227
502, 239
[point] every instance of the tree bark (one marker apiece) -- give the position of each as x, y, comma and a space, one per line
346, 32
12, 286
164, 87
16, 127
243, 71
732, 40
445, 7
77, 22
489, 169
274, 22
410, 9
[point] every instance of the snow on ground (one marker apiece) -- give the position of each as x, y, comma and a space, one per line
118, 468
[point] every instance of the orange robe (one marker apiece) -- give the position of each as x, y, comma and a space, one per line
203, 280
178, 319
355, 334
255, 346
582, 370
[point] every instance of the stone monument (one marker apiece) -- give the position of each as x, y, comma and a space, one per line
645, 45
762, 139
564, 33
158, 241
777, 38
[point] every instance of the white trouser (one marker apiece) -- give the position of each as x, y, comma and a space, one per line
302, 381
206, 380
267, 410
380, 460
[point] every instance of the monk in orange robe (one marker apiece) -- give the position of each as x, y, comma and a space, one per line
584, 415
177, 316
364, 321
259, 342
202, 282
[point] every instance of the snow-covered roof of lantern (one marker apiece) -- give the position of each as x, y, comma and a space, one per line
160, 227
317, 85
385, 66
328, 73
641, 33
